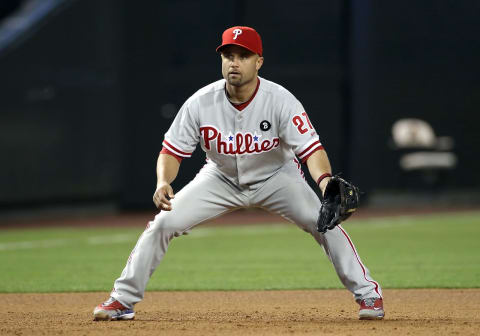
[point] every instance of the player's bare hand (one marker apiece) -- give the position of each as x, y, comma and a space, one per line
162, 196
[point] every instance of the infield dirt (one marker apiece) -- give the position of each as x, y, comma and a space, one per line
333, 312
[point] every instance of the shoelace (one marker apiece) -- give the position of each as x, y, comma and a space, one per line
370, 302
108, 302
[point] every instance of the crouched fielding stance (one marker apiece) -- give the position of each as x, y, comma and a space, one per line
251, 130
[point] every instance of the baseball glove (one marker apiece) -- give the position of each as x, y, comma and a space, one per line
340, 200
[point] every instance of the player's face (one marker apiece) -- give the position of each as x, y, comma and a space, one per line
239, 65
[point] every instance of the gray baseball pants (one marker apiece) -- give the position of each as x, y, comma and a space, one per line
210, 195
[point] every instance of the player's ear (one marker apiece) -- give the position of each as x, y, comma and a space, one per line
259, 62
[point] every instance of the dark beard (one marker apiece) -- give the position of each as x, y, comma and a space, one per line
235, 82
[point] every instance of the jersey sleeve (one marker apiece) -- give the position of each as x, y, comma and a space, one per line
297, 131
183, 135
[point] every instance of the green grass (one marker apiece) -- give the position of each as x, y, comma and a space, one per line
403, 252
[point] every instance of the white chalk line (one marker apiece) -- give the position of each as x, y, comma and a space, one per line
51, 243
125, 238
195, 233
23, 245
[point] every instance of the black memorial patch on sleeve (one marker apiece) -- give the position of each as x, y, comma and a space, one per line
265, 125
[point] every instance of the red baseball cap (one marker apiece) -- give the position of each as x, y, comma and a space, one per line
245, 37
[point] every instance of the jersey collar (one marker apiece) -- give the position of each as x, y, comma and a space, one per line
242, 106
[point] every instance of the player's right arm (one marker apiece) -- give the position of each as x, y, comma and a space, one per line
180, 141
167, 170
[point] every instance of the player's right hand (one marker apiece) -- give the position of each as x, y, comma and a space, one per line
162, 196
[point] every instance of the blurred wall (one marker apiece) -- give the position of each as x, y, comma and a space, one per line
87, 97
417, 60
61, 109
8, 6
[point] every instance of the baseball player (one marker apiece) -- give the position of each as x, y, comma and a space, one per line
251, 130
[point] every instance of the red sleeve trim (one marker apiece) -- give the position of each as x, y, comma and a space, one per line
166, 151
316, 149
316, 143
175, 150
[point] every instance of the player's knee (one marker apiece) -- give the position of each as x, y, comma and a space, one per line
165, 226
167, 229
307, 223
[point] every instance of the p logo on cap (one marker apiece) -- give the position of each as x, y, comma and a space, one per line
245, 37
236, 32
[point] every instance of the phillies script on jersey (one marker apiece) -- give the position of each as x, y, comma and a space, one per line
238, 143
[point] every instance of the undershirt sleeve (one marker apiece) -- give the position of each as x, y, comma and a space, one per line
166, 151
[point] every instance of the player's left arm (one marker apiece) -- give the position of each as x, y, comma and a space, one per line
319, 166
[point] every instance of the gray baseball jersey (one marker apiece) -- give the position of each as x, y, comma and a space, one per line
251, 163
248, 146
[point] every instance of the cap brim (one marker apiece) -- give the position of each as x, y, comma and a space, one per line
237, 44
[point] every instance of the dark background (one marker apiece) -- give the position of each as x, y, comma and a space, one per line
87, 92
